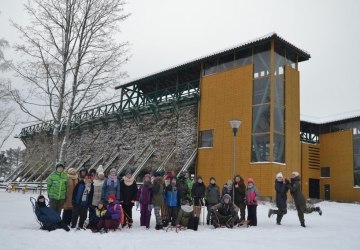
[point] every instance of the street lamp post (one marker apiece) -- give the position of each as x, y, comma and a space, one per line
235, 124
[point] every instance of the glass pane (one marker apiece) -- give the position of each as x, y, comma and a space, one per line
243, 57
261, 118
291, 58
279, 120
279, 148
279, 59
261, 92
279, 91
206, 138
262, 61
356, 145
226, 62
260, 148
357, 170
210, 67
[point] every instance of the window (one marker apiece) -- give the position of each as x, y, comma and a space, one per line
325, 172
226, 62
206, 139
261, 92
356, 159
260, 148
243, 57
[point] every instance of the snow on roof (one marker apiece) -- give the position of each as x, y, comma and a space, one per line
330, 118
249, 42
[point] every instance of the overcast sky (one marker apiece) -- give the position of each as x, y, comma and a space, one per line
166, 33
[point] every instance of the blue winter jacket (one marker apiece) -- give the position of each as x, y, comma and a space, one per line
172, 196
78, 193
110, 189
47, 216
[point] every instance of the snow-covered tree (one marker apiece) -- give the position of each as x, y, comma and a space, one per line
72, 59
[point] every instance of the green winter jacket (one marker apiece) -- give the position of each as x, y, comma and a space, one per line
295, 191
158, 192
57, 186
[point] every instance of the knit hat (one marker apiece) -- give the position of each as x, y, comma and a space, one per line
112, 170
168, 176
295, 173
59, 164
226, 196
112, 196
100, 169
41, 203
157, 174
250, 180
279, 175
128, 171
71, 171
147, 176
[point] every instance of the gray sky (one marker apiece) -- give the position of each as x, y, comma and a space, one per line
165, 33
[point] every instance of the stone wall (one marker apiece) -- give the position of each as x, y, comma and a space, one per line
125, 138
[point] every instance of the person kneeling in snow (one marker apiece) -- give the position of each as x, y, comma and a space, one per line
48, 217
225, 213
112, 217
186, 217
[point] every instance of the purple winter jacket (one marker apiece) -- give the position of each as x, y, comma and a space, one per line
113, 210
144, 195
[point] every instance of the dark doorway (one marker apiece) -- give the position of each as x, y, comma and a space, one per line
314, 188
327, 192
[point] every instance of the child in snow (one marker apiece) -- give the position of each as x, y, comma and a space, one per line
281, 197
98, 184
299, 199
224, 213
68, 207
251, 199
57, 187
186, 217
212, 197
172, 198
82, 199
157, 198
239, 195
100, 213
227, 188
128, 193
144, 198
198, 194
111, 219
111, 185
48, 217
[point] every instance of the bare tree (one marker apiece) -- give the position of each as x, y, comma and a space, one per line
72, 59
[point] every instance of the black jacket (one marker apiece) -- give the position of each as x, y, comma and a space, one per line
281, 190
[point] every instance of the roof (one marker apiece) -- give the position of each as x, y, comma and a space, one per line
303, 56
330, 118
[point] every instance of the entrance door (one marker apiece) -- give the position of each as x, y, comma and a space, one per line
314, 188
327, 192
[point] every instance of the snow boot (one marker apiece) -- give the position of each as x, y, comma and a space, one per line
270, 213
302, 224
318, 209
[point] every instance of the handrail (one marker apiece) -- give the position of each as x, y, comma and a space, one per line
27, 170
20, 168
37, 170
167, 158
142, 164
40, 176
188, 162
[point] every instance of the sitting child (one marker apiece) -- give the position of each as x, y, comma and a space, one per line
111, 219
50, 219
186, 217
224, 213
94, 220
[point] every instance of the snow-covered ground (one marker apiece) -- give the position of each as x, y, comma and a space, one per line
338, 228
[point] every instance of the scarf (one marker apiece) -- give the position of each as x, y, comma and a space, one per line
128, 181
86, 191
112, 179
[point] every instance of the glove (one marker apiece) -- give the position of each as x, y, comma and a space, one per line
150, 207
137, 204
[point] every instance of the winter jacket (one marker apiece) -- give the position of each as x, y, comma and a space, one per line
225, 209
184, 215
70, 189
47, 216
227, 190
295, 191
80, 197
113, 210
198, 190
158, 192
128, 190
98, 185
189, 183
110, 188
183, 189
144, 195
172, 196
57, 186
281, 190
251, 196
100, 213
212, 194
239, 192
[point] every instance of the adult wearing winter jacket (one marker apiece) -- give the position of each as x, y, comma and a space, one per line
82, 200
239, 195
212, 197
158, 198
281, 198
251, 198
57, 187
198, 194
144, 197
68, 207
48, 217
300, 203
172, 198
183, 189
111, 186
98, 185
224, 213
112, 218
128, 192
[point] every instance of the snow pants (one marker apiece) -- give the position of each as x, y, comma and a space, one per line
280, 213
301, 210
173, 213
127, 208
252, 217
145, 215
157, 215
57, 205
66, 216
78, 211
108, 224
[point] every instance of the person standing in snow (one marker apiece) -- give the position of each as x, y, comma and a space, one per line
300, 203
251, 198
144, 198
68, 207
198, 194
111, 186
128, 193
281, 198
158, 198
98, 185
82, 200
239, 189
227, 188
172, 198
212, 197
57, 187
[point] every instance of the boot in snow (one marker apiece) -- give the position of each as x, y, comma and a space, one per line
318, 209
270, 213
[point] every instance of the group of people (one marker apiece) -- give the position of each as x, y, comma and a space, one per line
177, 201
